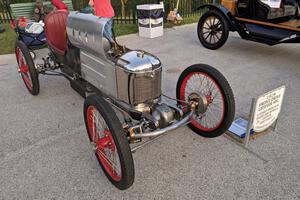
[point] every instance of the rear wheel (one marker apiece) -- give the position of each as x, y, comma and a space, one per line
26, 68
32, 53
109, 140
217, 101
213, 30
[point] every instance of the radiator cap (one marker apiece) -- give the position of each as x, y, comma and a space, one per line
138, 61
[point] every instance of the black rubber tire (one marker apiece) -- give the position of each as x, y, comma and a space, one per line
119, 137
33, 54
224, 25
226, 92
32, 70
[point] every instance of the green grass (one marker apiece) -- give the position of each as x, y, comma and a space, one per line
8, 38
125, 29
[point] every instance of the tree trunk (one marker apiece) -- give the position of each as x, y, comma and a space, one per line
123, 8
189, 2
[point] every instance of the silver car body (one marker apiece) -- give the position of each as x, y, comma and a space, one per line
134, 78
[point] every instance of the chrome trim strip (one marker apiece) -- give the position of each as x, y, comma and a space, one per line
92, 58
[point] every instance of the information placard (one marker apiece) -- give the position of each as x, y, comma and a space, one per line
267, 109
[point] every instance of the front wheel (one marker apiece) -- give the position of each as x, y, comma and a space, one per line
217, 101
213, 30
109, 141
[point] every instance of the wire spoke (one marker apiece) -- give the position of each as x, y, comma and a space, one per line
113, 166
105, 146
201, 83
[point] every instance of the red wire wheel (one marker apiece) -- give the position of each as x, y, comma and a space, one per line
109, 141
26, 68
208, 83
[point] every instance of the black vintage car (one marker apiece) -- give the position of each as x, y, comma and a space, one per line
252, 19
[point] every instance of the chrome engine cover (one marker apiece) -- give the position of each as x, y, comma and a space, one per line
134, 78
163, 114
85, 31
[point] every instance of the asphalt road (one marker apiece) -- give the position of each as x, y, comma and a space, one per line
44, 153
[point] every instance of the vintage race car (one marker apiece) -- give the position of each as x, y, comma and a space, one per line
122, 90
252, 19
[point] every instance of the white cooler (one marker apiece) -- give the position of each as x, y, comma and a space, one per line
150, 20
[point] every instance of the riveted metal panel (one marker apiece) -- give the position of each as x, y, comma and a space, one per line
85, 31
99, 73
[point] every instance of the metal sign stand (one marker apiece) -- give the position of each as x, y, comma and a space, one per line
275, 125
250, 121
251, 125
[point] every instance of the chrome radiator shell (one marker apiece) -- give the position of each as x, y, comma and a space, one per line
138, 77
136, 88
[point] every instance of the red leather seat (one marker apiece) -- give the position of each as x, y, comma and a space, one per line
55, 29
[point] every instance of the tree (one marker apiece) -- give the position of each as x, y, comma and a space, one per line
123, 3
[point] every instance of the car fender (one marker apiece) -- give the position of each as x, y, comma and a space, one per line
224, 11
